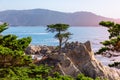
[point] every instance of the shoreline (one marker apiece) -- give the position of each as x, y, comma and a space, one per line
75, 58
104, 60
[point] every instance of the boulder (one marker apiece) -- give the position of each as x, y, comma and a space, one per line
45, 50
33, 49
37, 49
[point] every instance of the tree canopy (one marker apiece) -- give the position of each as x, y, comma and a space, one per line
3, 27
113, 44
12, 49
61, 33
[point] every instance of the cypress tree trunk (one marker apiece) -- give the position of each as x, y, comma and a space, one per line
60, 42
60, 46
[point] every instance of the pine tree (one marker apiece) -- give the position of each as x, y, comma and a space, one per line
12, 49
113, 44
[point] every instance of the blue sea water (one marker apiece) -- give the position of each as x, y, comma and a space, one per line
41, 37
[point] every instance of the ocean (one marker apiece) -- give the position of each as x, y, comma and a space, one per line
41, 37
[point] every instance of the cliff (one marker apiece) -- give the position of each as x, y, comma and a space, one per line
79, 58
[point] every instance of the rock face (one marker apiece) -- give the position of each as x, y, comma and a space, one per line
65, 65
83, 57
79, 58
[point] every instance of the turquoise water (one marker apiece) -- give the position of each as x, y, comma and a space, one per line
41, 37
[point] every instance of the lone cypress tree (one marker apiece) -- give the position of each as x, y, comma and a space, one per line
62, 35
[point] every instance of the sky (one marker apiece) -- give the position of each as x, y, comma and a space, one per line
107, 8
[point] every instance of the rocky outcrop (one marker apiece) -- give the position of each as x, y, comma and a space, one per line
83, 57
65, 65
79, 58
37, 49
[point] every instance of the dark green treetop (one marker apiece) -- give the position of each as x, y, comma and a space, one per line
113, 44
57, 27
113, 29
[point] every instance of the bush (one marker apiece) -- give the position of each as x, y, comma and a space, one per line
82, 77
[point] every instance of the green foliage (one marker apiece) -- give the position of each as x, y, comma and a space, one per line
57, 27
31, 72
34, 72
110, 45
9, 57
63, 37
39, 71
61, 34
13, 43
57, 76
110, 42
103, 49
3, 27
113, 44
82, 77
12, 50
107, 23
113, 29
114, 64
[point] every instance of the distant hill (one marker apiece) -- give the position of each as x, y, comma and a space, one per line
42, 17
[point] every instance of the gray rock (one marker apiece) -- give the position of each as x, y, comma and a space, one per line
36, 49
83, 58
32, 49
78, 58
45, 50
66, 66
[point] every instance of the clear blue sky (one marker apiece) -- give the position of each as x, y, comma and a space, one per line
107, 8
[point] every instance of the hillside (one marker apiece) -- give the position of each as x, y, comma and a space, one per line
42, 17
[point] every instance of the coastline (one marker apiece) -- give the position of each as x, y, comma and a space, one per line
75, 58
104, 60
